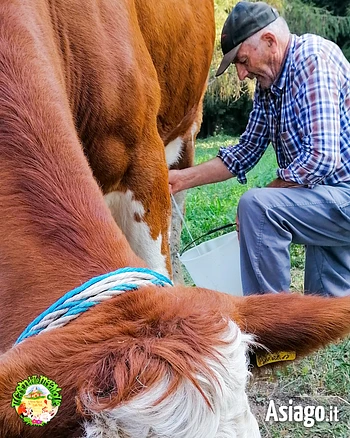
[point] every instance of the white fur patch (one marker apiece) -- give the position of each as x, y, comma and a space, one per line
185, 413
173, 151
124, 207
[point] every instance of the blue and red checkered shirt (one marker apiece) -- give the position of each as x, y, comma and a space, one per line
305, 115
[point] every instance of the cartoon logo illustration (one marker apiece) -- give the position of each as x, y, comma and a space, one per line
36, 400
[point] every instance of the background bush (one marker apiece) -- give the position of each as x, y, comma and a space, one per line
228, 101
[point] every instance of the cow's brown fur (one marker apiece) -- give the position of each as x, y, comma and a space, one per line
126, 345
56, 231
113, 80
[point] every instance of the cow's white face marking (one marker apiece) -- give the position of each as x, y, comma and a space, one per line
185, 413
124, 207
173, 151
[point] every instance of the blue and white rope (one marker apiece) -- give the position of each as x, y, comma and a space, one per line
93, 292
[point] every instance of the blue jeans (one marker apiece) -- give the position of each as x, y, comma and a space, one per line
319, 218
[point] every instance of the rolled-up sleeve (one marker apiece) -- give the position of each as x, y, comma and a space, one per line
240, 158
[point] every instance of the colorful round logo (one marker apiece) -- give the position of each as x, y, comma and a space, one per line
36, 400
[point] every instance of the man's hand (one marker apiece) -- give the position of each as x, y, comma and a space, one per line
174, 181
279, 183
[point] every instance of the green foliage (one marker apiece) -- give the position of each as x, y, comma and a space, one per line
346, 49
227, 102
304, 17
336, 7
227, 87
229, 115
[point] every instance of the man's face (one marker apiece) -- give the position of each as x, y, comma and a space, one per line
257, 61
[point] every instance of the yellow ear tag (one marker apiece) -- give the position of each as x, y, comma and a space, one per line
279, 356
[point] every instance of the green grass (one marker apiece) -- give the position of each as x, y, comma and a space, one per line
213, 205
216, 204
321, 379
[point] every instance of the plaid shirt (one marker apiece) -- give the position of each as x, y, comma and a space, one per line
305, 115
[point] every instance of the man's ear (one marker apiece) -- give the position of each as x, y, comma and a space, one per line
270, 39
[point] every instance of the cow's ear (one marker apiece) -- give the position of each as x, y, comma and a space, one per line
292, 324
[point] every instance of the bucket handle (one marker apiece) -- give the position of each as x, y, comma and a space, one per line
214, 230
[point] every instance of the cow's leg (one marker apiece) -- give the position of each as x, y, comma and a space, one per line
175, 236
179, 155
141, 206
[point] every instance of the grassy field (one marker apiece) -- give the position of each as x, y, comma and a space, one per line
322, 379
213, 205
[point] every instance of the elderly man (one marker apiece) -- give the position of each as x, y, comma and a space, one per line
301, 106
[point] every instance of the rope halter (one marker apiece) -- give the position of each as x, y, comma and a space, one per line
93, 292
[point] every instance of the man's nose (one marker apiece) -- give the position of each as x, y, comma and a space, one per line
242, 72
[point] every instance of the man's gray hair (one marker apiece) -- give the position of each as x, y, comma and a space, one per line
279, 27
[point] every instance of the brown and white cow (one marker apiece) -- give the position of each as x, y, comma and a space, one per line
130, 76
153, 362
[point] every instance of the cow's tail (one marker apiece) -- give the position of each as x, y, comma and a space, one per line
293, 322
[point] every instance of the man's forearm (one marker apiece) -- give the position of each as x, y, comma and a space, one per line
205, 173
